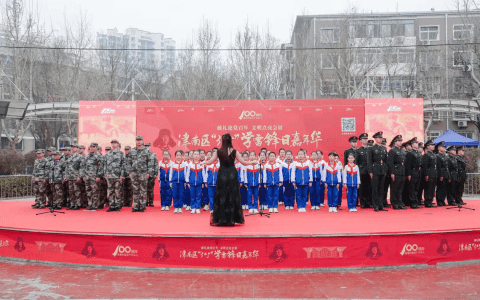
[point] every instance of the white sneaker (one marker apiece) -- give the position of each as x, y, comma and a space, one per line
175, 211
193, 211
184, 206
180, 211
321, 205
275, 210
270, 210
189, 207
330, 209
250, 211
255, 211
312, 208
335, 209
304, 209
205, 207
211, 211
198, 211
355, 210
350, 210
299, 210
167, 208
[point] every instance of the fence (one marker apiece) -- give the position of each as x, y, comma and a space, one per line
472, 184
16, 186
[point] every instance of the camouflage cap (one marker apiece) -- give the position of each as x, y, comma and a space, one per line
74, 145
128, 147
93, 144
147, 144
99, 147
139, 137
68, 149
108, 148
115, 141
52, 149
57, 153
62, 148
81, 146
40, 151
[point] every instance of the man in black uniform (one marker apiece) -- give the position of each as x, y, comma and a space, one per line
423, 184
388, 179
453, 170
376, 164
407, 146
413, 171
353, 142
396, 166
429, 172
443, 174
462, 175
370, 143
365, 191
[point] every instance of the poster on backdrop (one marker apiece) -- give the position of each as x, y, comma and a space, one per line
395, 116
102, 121
254, 124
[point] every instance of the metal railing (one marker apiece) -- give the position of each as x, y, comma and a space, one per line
16, 186
472, 184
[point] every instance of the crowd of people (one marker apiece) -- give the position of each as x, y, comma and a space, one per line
414, 173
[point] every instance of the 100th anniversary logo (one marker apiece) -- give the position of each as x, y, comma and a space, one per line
124, 251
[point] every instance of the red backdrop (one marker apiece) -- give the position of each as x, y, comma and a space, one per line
254, 124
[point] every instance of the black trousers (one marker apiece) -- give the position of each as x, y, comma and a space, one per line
451, 190
365, 191
387, 182
430, 190
460, 186
441, 194
378, 184
413, 190
396, 190
421, 190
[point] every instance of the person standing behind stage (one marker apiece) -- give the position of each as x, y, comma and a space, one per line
127, 184
91, 170
152, 179
165, 190
302, 178
39, 180
115, 172
142, 168
56, 176
413, 173
462, 175
365, 190
429, 172
177, 181
351, 181
272, 181
211, 180
376, 165
453, 169
443, 174
331, 176
289, 192
396, 166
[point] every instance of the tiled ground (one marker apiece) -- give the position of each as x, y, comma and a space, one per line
39, 281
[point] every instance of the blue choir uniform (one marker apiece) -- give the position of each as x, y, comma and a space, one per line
351, 178
272, 178
211, 181
332, 176
302, 177
177, 179
195, 175
252, 182
163, 178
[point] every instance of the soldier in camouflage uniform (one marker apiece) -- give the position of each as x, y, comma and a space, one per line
72, 175
152, 179
64, 157
127, 184
141, 168
49, 157
56, 177
115, 175
107, 149
39, 179
103, 183
81, 152
91, 172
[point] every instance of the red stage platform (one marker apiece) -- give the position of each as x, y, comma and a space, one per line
287, 240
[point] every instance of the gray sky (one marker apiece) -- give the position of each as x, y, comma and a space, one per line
178, 18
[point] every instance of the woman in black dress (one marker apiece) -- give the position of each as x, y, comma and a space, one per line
227, 206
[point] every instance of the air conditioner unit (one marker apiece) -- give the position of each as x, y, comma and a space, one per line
425, 42
462, 123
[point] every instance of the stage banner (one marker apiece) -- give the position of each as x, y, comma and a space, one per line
254, 124
102, 121
242, 253
395, 116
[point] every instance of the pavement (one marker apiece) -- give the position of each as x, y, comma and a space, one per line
23, 280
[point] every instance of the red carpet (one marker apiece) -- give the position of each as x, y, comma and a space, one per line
288, 239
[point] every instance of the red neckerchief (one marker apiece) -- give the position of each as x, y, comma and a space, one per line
351, 172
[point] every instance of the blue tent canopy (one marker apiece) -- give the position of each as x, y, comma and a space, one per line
451, 137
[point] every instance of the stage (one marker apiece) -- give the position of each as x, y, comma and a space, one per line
286, 240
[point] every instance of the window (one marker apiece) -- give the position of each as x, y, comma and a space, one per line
329, 35
386, 30
373, 30
6, 144
329, 87
462, 32
406, 55
431, 135
468, 134
430, 58
460, 58
429, 33
458, 86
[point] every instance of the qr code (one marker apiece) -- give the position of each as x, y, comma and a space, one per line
348, 124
